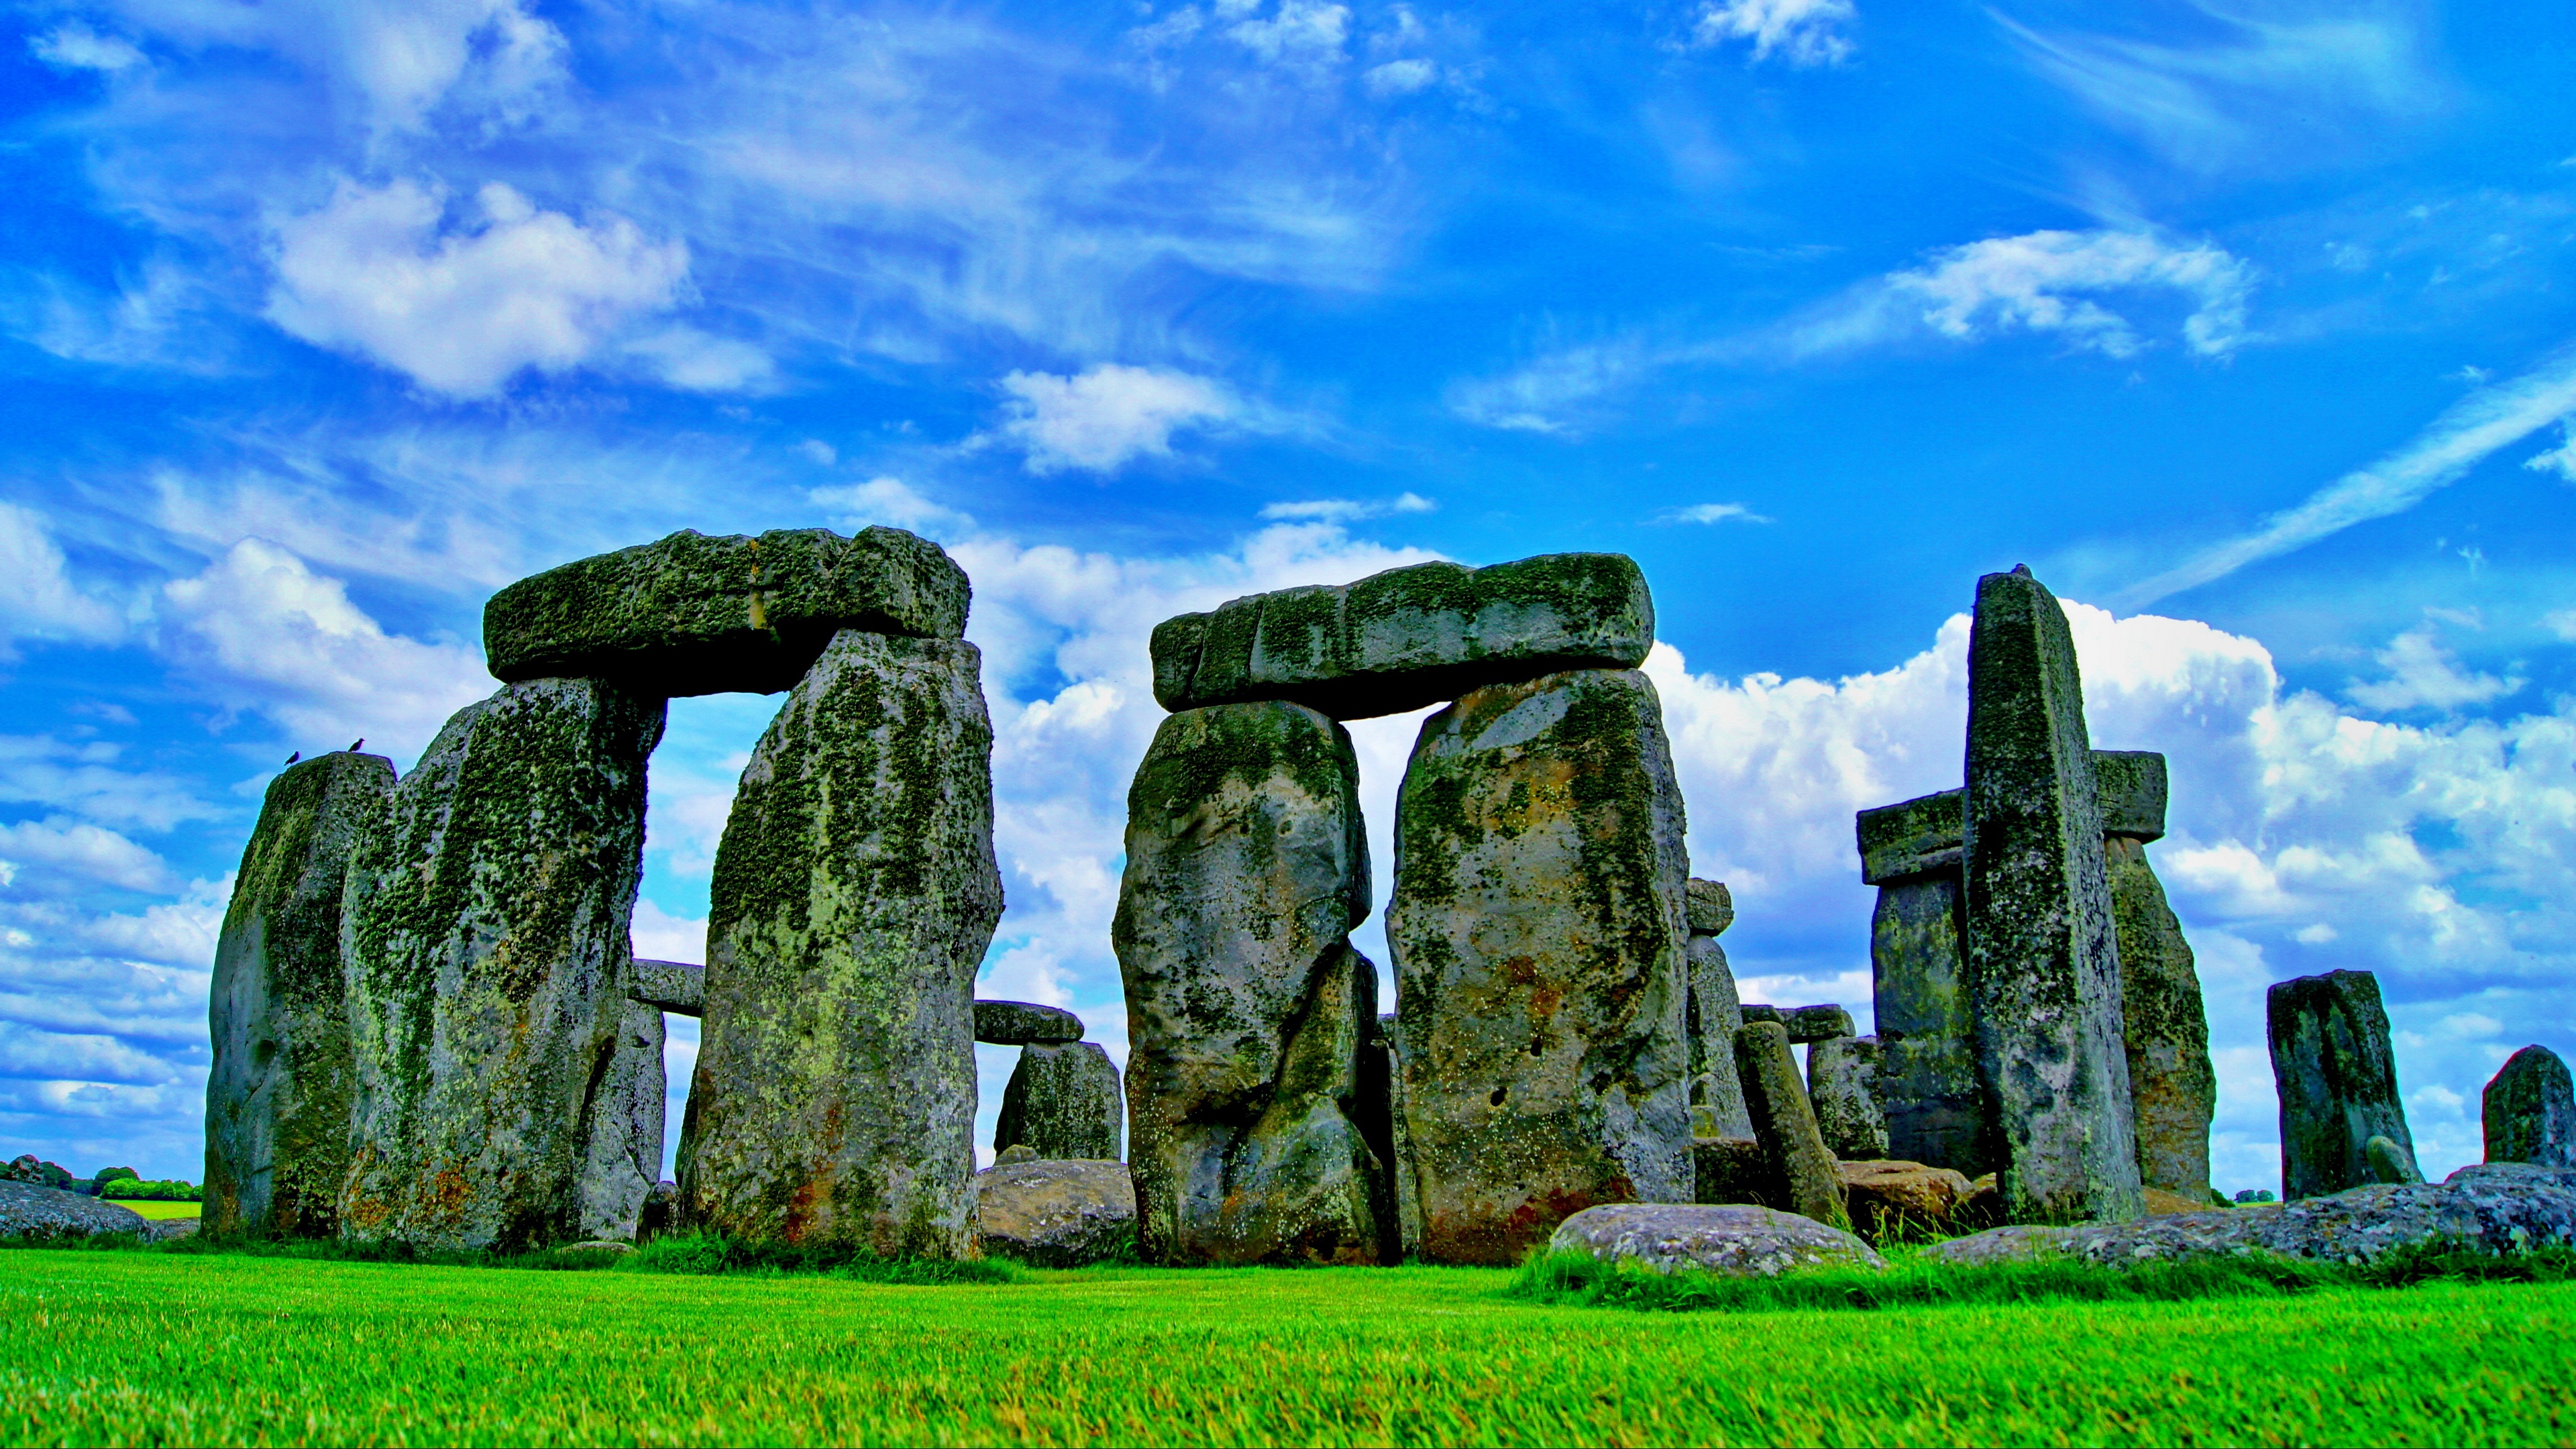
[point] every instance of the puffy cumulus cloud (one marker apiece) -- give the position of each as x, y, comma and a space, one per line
461, 309
1100, 419
1801, 32
63, 849
2422, 674
889, 500
2050, 282
38, 599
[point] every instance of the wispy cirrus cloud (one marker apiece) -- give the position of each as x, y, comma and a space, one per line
1801, 32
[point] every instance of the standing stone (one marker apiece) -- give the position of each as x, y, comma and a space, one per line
489, 969
2530, 1112
1062, 1102
1840, 1074
1247, 1009
277, 1099
1716, 1013
1537, 925
622, 1159
1407, 1197
854, 894
2042, 956
1927, 1067
1801, 1167
2163, 1022
2337, 1079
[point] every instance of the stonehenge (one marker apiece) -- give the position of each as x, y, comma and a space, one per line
2338, 1083
2529, 1111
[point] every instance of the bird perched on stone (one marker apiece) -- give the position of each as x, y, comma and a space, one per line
291, 759
353, 747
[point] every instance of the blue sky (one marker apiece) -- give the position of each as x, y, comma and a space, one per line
2249, 327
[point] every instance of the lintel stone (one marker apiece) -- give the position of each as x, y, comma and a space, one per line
1921, 836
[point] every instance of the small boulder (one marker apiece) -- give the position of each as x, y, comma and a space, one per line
1734, 1241
1055, 1213
1882, 1195
2390, 1161
31, 1211
1024, 1023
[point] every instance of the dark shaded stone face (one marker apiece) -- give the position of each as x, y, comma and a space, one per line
855, 891
1715, 1015
1408, 637
2165, 1026
1062, 1102
2530, 1111
692, 614
1841, 1072
1537, 923
673, 986
1808, 1024
1784, 1122
279, 1091
1927, 1067
1019, 1023
2337, 1079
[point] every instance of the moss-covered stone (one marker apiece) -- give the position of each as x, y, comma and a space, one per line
1408, 637
697, 615
1927, 1063
1715, 1014
1842, 1072
278, 1094
2529, 1111
490, 971
1247, 1011
622, 1150
1020, 1023
2337, 1080
855, 892
1062, 1103
1800, 1168
679, 987
2164, 1025
1538, 929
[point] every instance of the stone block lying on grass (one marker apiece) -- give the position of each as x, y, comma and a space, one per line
1055, 1213
28, 1211
2490, 1207
1736, 1241
1882, 1195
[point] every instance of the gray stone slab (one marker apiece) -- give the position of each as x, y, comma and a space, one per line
2129, 788
1408, 637
1785, 1124
2164, 1025
1841, 1072
2529, 1111
1063, 1101
283, 1076
2337, 1080
679, 987
29, 1212
1927, 1063
1020, 1023
1731, 1242
855, 892
692, 614
1056, 1213
622, 1152
1809, 1024
1715, 1017
1407, 1195
1924, 834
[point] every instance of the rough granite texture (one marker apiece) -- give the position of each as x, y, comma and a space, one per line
2390, 1162
2530, 1112
1056, 1214
855, 891
278, 1094
1732, 1169
673, 986
2337, 1080
485, 933
28, 1211
1708, 907
1537, 927
2043, 963
1409, 637
1734, 1242
622, 1157
1810, 1024
1019, 1023
1927, 1052
1062, 1101
1801, 1167
697, 615
2493, 1207
1407, 1197
2165, 1026
1247, 1009
1715, 1016
1924, 834
1842, 1073
1886, 1196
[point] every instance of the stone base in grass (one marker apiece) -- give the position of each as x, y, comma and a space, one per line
1737, 1241
1056, 1213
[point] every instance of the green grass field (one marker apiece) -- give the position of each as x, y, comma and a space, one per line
162, 1209
143, 1347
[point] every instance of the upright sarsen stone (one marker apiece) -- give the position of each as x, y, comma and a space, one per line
1842, 1076
2163, 1022
622, 1155
855, 891
2337, 1079
1716, 1013
1800, 1167
485, 935
278, 1095
1062, 1103
2042, 953
2529, 1111
1247, 1009
1537, 925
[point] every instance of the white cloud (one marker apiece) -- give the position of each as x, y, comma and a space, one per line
1301, 33
2561, 622
889, 501
377, 273
1711, 513
2050, 281
2319, 934
1401, 77
82, 777
77, 47
2561, 459
662, 936
37, 597
1107, 415
1802, 32
2423, 674
1345, 510
83, 852
819, 451
697, 361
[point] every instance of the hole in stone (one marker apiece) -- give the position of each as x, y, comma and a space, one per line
1497, 1098
1538, 1044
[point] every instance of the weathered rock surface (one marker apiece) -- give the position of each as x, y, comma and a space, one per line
1927, 1061
855, 891
1247, 1010
2530, 1111
35, 1172
2337, 1080
698, 615
29, 1211
1736, 1242
2390, 1161
1063, 1101
1388, 1069
1715, 1011
2164, 1025
622, 1155
1409, 637
1537, 925
1055, 1213
279, 1092
673, 986
2043, 964
1884, 1196
1842, 1073
1708, 907
1800, 1164
1020, 1023
489, 969
1807, 1025
2492, 1207
2161, 1203
1734, 1170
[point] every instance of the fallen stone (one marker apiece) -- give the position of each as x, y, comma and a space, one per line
2530, 1112
2164, 1025
1408, 637
1062, 1102
2389, 1162
1841, 1074
2160, 1203
2043, 964
2337, 1080
490, 970
1733, 1170
32, 1212
672, 986
279, 1091
610, 1246
1810, 1024
1885, 1196
1247, 1009
1786, 1125
1733, 1242
855, 892
1016, 1152
697, 615
1537, 925
2491, 1207
1056, 1214
1020, 1023
170, 1230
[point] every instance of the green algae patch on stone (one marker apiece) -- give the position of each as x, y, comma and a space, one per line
855, 892
490, 970
1538, 928
1247, 1011
1408, 637
1927, 1062
2337, 1078
279, 1090
2129, 787
692, 614
1063, 1102
2164, 1024
2528, 1111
